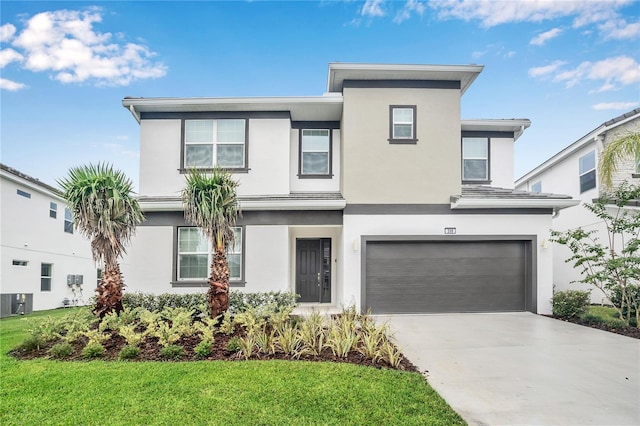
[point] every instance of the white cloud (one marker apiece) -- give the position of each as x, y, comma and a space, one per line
619, 29
542, 38
6, 32
65, 43
615, 105
410, 7
11, 86
545, 70
7, 56
372, 8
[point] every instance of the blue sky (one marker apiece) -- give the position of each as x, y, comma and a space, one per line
568, 66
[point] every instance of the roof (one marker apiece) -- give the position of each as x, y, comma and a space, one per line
580, 143
341, 71
301, 108
30, 179
516, 126
480, 196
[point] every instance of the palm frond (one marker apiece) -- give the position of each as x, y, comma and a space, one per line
616, 151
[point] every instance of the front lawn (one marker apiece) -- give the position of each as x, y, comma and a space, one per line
207, 392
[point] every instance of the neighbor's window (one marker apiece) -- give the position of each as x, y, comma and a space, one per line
68, 221
45, 276
98, 276
23, 193
19, 262
195, 255
53, 210
587, 171
402, 124
475, 159
214, 142
537, 187
315, 147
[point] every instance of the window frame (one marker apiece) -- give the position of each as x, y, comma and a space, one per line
203, 282
487, 180
19, 262
592, 170
53, 210
329, 151
414, 126
68, 223
46, 277
183, 144
22, 193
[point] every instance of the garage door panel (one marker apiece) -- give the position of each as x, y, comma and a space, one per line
419, 276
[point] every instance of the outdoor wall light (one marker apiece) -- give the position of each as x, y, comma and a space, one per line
356, 244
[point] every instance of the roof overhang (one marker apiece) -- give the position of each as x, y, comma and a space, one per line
517, 126
311, 108
506, 203
250, 203
339, 72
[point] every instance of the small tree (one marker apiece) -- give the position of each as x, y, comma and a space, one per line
210, 202
614, 267
105, 211
625, 147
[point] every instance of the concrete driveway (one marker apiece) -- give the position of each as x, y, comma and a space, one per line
524, 369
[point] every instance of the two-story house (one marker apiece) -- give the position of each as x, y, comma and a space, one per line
45, 262
375, 194
574, 171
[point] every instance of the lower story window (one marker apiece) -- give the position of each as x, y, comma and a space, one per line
45, 276
195, 255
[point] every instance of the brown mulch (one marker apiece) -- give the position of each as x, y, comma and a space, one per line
150, 351
633, 332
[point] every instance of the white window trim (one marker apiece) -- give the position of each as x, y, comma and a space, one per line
70, 221
53, 210
49, 277
209, 254
214, 143
593, 169
485, 158
304, 151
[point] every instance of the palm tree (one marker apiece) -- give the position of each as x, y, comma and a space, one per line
622, 148
106, 212
210, 203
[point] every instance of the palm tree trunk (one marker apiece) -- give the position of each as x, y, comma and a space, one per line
109, 297
219, 283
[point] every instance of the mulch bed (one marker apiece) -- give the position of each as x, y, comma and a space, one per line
633, 332
150, 351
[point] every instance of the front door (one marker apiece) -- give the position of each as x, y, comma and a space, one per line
313, 269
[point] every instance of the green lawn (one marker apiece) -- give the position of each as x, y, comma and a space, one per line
216, 393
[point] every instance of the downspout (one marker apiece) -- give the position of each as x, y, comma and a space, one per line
134, 113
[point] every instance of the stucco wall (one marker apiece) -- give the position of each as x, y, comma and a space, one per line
375, 171
502, 162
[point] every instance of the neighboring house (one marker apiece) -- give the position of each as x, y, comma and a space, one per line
375, 194
44, 259
574, 171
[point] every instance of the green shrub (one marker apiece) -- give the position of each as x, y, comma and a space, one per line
203, 349
32, 343
233, 345
278, 300
61, 350
172, 352
633, 296
129, 352
570, 303
93, 350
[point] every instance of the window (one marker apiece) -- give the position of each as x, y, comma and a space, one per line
587, 171
475, 159
211, 142
98, 276
53, 210
195, 255
19, 262
537, 187
45, 276
315, 152
402, 124
68, 221
23, 193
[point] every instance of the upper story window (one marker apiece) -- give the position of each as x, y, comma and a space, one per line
195, 255
475, 160
402, 124
16, 262
23, 193
537, 187
315, 153
53, 210
68, 221
215, 142
587, 172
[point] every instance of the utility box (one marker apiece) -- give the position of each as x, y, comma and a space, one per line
15, 304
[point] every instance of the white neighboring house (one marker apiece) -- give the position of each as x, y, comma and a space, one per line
43, 259
375, 194
574, 171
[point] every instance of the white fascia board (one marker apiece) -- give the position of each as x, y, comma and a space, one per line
515, 125
28, 184
493, 203
173, 205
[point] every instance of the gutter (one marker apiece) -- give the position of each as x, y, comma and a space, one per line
248, 205
505, 203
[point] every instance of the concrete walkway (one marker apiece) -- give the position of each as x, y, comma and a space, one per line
524, 369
